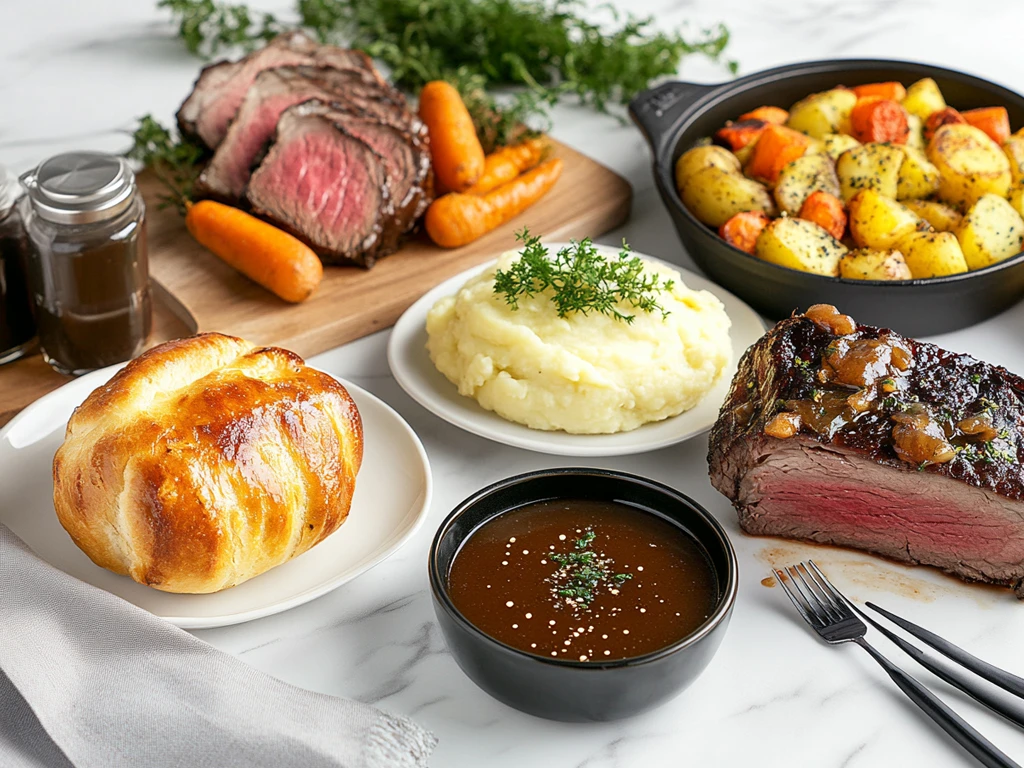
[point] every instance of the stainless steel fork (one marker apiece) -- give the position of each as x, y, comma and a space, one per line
832, 617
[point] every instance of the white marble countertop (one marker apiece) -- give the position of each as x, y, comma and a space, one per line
77, 73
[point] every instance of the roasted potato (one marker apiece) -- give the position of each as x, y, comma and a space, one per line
870, 166
990, 232
823, 113
1017, 199
834, 144
1014, 149
864, 264
970, 164
939, 215
699, 158
932, 254
878, 222
918, 177
800, 244
714, 195
923, 98
915, 137
801, 177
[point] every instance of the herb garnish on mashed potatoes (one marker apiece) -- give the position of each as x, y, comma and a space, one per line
580, 341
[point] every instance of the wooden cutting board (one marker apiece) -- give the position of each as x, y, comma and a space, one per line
197, 292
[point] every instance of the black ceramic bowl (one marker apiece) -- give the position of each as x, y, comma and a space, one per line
675, 115
574, 691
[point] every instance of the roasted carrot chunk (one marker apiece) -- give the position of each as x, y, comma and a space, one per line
739, 134
826, 211
773, 115
874, 118
741, 230
777, 146
940, 118
992, 120
889, 90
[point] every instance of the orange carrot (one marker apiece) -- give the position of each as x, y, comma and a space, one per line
940, 118
992, 120
888, 90
741, 133
273, 258
874, 118
741, 230
826, 211
503, 165
454, 147
774, 115
457, 219
777, 146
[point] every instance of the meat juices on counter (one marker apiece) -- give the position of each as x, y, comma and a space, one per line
846, 434
583, 580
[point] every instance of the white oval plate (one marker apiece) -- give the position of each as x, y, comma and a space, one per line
391, 500
412, 368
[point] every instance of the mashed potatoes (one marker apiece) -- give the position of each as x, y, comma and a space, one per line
585, 374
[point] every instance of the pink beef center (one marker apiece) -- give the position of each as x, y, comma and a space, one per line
254, 134
865, 506
325, 184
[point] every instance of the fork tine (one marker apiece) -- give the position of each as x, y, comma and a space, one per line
784, 580
818, 605
829, 588
836, 598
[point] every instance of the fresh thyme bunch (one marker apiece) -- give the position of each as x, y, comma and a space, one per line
581, 279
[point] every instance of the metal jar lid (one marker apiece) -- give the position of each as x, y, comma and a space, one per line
80, 187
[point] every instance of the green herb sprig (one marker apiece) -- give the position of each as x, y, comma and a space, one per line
579, 278
582, 571
174, 160
546, 49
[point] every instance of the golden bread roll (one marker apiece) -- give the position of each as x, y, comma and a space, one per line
207, 461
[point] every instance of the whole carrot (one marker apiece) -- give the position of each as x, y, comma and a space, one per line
457, 219
503, 165
454, 147
262, 252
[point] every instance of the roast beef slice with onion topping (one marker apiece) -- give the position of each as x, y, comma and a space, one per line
926, 469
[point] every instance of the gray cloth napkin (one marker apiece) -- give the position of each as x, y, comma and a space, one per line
91, 681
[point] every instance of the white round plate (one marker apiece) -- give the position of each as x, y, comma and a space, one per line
390, 503
411, 366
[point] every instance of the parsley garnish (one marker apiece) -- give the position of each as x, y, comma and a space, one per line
581, 279
582, 571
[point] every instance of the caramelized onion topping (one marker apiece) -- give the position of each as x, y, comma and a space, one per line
783, 425
829, 318
979, 427
919, 439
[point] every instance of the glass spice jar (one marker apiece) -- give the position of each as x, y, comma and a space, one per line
88, 269
17, 328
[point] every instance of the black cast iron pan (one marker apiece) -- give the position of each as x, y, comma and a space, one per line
673, 116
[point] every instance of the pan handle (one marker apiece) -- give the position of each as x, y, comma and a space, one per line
655, 111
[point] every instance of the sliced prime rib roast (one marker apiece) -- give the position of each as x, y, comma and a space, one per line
277, 89
846, 434
326, 186
222, 86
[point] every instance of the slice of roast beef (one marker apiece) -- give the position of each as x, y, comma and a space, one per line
273, 91
221, 87
410, 177
325, 186
852, 435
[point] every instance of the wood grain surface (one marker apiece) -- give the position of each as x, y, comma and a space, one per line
202, 293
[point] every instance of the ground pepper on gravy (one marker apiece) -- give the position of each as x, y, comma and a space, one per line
583, 580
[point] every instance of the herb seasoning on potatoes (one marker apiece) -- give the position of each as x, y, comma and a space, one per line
877, 182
